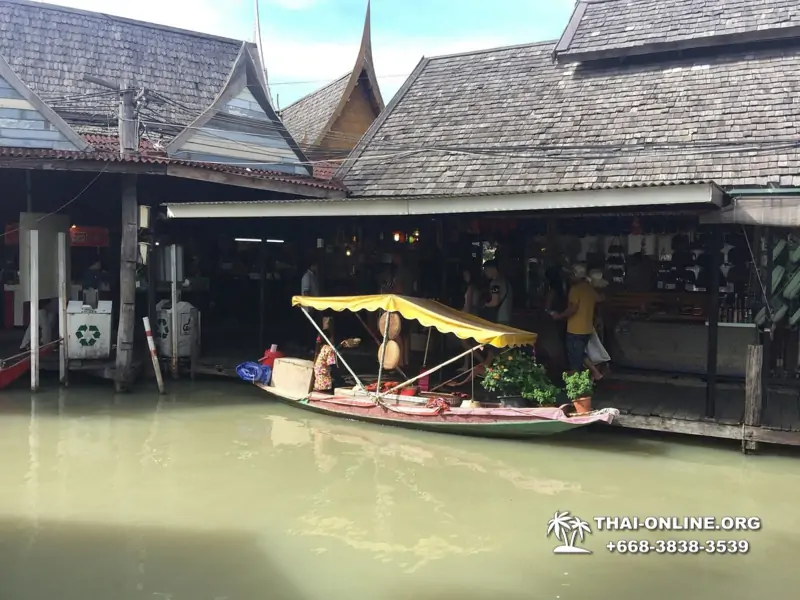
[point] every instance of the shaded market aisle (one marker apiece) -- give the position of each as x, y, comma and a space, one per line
214, 492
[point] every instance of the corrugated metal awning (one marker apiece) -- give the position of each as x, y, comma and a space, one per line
777, 211
611, 198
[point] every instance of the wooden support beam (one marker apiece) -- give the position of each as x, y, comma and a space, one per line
752, 398
713, 322
63, 298
127, 284
174, 299
33, 240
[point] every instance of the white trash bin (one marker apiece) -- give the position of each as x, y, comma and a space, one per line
188, 332
89, 330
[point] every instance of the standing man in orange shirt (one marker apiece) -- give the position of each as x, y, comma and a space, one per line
582, 300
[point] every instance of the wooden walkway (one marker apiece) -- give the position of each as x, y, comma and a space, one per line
661, 405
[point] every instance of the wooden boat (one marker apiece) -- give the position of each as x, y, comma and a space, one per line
14, 367
292, 379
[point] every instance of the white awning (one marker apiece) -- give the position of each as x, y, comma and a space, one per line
778, 211
665, 195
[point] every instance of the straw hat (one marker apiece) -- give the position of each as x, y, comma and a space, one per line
596, 278
390, 355
579, 271
394, 324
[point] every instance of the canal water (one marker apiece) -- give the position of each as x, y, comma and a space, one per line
216, 493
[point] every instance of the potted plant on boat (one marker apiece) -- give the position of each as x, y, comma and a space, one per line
518, 380
579, 390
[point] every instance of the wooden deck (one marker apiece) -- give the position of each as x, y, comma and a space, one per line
679, 407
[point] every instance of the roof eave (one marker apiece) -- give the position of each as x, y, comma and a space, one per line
732, 39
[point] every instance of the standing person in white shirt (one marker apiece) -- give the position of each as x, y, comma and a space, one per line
309, 286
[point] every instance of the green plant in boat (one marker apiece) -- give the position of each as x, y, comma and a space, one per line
579, 384
516, 373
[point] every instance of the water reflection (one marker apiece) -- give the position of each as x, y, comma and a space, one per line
212, 492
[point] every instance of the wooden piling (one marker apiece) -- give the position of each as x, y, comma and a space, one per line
33, 240
753, 397
174, 298
63, 298
127, 284
151, 346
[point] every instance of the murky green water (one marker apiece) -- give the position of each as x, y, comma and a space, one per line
216, 493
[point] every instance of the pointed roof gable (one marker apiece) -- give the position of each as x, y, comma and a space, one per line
245, 86
312, 117
63, 138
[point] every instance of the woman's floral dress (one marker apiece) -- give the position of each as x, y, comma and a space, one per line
322, 369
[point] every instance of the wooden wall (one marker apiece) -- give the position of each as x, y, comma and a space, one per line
242, 133
353, 122
22, 126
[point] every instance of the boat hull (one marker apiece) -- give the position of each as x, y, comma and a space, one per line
14, 370
489, 423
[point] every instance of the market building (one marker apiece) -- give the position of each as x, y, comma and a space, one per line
656, 142
101, 115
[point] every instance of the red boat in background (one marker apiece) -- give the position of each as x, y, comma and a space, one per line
14, 367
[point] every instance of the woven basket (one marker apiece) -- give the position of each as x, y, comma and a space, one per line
395, 324
390, 355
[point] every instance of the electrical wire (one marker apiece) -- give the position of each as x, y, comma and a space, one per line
63, 206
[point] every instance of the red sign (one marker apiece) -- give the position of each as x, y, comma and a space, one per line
86, 237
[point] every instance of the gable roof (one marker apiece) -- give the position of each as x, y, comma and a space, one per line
612, 28
246, 74
52, 48
509, 120
306, 118
70, 138
312, 117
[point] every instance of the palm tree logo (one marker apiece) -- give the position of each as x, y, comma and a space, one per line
566, 529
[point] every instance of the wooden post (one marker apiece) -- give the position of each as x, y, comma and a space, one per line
713, 322
173, 263
767, 337
128, 126
262, 294
28, 192
33, 240
753, 398
63, 299
127, 284
151, 346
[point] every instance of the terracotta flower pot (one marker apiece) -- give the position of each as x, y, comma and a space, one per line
582, 405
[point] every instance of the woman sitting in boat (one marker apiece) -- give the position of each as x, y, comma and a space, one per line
325, 359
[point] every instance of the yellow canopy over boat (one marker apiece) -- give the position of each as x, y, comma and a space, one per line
429, 313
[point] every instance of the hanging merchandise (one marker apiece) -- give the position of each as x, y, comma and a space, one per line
795, 318
664, 247
777, 251
779, 308
793, 287
777, 276
635, 243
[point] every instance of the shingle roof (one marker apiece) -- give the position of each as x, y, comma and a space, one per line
104, 156
51, 48
511, 120
605, 28
306, 118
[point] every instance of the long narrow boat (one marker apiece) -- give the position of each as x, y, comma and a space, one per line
291, 379
14, 367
